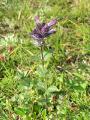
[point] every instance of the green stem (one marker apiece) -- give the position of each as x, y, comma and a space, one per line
42, 56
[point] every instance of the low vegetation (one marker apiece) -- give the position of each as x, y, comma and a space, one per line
59, 90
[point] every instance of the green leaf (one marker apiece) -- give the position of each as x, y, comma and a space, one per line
52, 89
44, 115
41, 87
20, 111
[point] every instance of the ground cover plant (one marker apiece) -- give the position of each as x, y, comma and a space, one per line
59, 89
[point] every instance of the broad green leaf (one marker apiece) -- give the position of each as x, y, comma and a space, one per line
20, 111
52, 89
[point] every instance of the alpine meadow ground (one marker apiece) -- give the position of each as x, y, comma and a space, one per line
59, 90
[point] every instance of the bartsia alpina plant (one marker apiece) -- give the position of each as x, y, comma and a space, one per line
42, 30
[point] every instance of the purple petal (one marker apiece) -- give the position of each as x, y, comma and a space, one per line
45, 28
52, 22
37, 20
39, 27
51, 31
36, 31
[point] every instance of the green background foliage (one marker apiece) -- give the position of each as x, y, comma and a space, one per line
60, 90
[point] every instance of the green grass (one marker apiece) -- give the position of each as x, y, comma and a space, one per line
60, 90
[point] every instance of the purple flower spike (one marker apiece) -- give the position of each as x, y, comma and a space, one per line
42, 30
